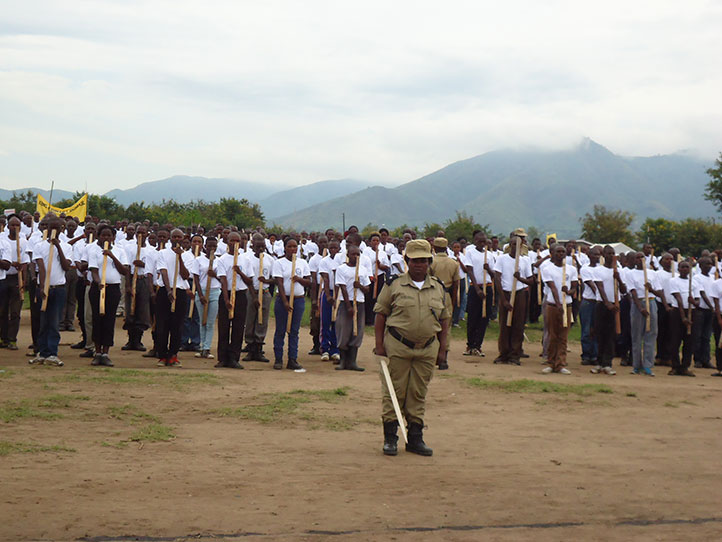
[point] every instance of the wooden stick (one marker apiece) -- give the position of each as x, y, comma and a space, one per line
539, 282
193, 287
175, 280
208, 288
102, 279
648, 324
689, 309
46, 286
293, 293
617, 318
563, 296
260, 289
392, 392
483, 286
376, 274
20, 271
716, 268
355, 316
233, 283
135, 276
510, 314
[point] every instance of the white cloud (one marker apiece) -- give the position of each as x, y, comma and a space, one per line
117, 93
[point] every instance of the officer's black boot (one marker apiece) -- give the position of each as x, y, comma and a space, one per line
390, 438
416, 442
351, 363
343, 361
259, 353
251, 355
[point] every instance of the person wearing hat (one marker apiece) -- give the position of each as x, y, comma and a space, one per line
511, 337
447, 271
410, 314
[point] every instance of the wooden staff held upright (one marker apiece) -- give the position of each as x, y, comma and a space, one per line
617, 319
102, 279
483, 286
193, 287
510, 314
648, 324
20, 272
260, 289
563, 296
233, 282
355, 316
135, 276
293, 293
208, 288
46, 286
376, 274
539, 281
175, 280
689, 309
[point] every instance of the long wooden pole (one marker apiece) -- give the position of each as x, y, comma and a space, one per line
175, 280
20, 271
483, 286
234, 280
376, 274
293, 293
355, 316
689, 308
510, 314
617, 319
648, 324
392, 392
563, 296
539, 281
102, 279
716, 267
46, 286
196, 252
260, 289
135, 276
208, 288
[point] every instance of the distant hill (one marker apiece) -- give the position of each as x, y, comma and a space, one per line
295, 199
57, 194
183, 189
511, 188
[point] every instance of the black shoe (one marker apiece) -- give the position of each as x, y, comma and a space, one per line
78, 346
315, 351
138, 347
589, 362
523, 355
150, 353
246, 348
278, 364
416, 442
294, 365
89, 353
234, 365
343, 356
219, 364
251, 355
390, 438
105, 360
259, 354
97, 360
127, 346
351, 360
443, 366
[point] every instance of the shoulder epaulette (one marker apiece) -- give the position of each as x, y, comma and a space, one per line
437, 279
393, 278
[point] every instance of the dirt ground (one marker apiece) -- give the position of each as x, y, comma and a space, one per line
142, 453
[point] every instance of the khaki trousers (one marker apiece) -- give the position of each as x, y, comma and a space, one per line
557, 336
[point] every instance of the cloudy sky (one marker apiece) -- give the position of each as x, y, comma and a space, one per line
114, 93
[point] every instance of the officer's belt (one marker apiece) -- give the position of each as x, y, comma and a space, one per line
396, 335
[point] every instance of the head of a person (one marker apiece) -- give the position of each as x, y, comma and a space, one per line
211, 245
705, 264
353, 254
197, 244
666, 261
384, 235
106, 234
456, 247
333, 247
440, 245
594, 254
163, 236
176, 237
234, 241
683, 268
559, 253
480, 240
70, 227
374, 241
608, 253
290, 246
418, 259
322, 242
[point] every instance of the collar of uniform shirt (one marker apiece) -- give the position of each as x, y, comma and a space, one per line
405, 280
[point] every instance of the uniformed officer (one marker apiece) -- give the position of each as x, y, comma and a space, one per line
447, 271
410, 312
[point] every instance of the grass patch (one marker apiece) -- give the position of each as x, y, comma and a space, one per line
631, 394
277, 406
537, 386
154, 432
131, 414
7, 448
671, 404
38, 408
148, 377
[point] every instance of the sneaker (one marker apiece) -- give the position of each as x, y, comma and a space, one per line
717, 374
325, 356
105, 360
635, 372
547, 370
80, 345
480, 353
174, 362
12, 345
89, 353
609, 371
278, 364
596, 369
335, 357
54, 360
209, 355
455, 325
37, 360
295, 366
564, 371
648, 372
468, 352
96, 360
162, 363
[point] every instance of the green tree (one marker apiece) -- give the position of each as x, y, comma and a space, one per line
713, 190
661, 233
604, 225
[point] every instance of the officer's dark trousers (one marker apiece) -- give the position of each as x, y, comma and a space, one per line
315, 325
678, 337
476, 324
371, 301
230, 331
168, 324
604, 332
512, 337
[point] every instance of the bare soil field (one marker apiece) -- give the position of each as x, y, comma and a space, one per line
143, 453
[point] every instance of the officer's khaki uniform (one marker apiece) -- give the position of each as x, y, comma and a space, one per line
447, 271
416, 315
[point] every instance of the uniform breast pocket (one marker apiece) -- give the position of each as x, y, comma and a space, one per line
436, 306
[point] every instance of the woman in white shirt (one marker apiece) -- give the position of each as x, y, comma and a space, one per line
207, 294
282, 272
116, 267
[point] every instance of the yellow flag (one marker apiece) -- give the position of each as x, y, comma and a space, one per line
551, 236
78, 209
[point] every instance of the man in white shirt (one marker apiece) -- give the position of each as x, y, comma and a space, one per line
11, 297
587, 307
256, 330
684, 299
605, 277
137, 314
479, 306
704, 314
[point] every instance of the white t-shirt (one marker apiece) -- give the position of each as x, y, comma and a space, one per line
587, 274
4, 256
95, 261
398, 265
388, 248
705, 285
224, 268
282, 269
313, 265
636, 282
328, 267
663, 278
505, 265
345, 276
383, 259
41, 252
605, 275
255, 262
12, 245
131, 250
461, 259
199, 267
166, 259
552, 273
680, 286
475, 259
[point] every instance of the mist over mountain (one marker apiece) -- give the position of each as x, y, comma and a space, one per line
295, 199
